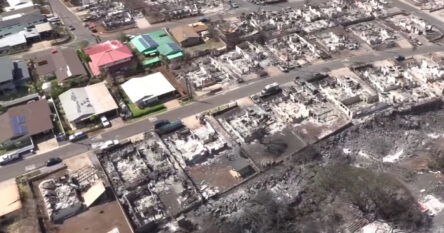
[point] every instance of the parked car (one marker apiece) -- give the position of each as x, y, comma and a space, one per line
284, 68
5, 159
204, 20
170, 127
77, 136
61, 137
108, 144
53, 161
400, 58
160, 123
105, 121
271, 89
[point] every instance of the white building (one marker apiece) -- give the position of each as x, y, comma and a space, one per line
144, 91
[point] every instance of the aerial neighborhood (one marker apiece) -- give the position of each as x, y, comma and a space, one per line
242, 116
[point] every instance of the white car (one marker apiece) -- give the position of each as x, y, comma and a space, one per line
105, 121
5, 159
108, 144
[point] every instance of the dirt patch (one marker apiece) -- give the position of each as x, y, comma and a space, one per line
78, 162
47, 145
40, 46
245, 102
172, 104
191, 122
273, 71
142, 23
405, 44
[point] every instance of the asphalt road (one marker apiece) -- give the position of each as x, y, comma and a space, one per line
427, 17
81, 33
71, 149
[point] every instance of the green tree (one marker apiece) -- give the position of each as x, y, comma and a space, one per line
85, 58
56, 89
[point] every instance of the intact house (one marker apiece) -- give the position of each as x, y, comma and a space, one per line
79, 104
17, 23
64, 64
148, 90
111, 56
19, 30
14, 74
186, 36
13, 44
155, 44
15, 5
21, 123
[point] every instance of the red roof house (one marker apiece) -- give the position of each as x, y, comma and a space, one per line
110, 55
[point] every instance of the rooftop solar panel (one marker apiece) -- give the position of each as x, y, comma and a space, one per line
23, 129
144, 44
175, 47
17, 126
149, 41
21, 119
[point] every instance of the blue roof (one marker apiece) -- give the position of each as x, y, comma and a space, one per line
18, 126
151, 43
175, 47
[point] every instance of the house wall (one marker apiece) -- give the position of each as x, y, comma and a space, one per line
191, 41
120, 66
13, 49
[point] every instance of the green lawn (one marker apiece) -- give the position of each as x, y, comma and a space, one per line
137, 112
185, 102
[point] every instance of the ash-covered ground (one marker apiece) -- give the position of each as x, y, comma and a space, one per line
386, 170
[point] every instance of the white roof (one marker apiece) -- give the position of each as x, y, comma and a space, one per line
13, 3
13, 40
150, 86
18, 4
43, 27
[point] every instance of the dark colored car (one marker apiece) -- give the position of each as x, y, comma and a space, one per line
160, 123
77, 136
53, 161
400, 58
204, 20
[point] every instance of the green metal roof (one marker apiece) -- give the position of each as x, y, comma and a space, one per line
175, 55
157, 41
150, 61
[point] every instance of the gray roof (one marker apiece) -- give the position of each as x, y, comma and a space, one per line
13, 70
25, 19
6, 67
83, 102
21, 70
75, 102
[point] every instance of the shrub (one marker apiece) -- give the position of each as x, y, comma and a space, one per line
137, 112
